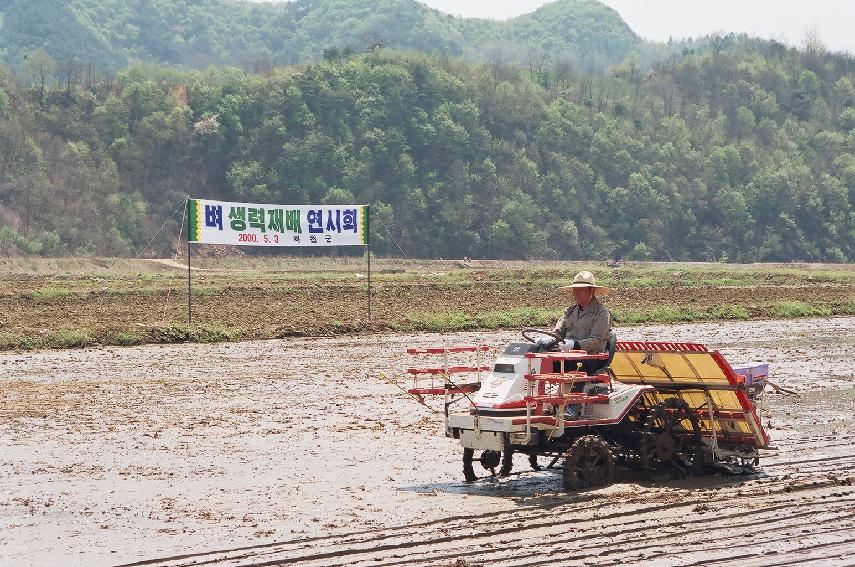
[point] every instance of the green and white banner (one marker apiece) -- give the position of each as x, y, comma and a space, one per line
246, 224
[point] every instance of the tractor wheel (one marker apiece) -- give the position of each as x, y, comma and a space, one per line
489, 461
589, 464
671, 440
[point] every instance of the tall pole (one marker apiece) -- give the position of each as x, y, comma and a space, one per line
189, 290
191, 218
368, 254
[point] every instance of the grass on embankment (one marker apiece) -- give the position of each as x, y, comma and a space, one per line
81, 338
48, 293
451, 321
445, 322
531, 317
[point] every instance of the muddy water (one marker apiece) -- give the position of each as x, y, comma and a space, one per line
297, 450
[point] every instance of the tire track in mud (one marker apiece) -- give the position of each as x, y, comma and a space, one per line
768, 483
411, 549
796, 553
814, 442
804, 479
418, 555
592, 540
822, 551
597, 528
697, 547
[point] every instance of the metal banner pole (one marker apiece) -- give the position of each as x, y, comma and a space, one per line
368, 254
189, 290
189, 284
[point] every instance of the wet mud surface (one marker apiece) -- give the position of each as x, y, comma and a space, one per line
295, 451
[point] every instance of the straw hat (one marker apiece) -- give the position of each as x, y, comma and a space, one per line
586, 279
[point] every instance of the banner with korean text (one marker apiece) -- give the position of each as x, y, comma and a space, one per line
246, 224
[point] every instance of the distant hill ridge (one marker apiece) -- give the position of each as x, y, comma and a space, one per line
198, 33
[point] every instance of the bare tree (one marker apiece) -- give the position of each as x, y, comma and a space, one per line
39, 66
815, 50
604, 95
375, 39
563, 71
537, 60
812, 42
260, 63
496, 57
89, 85
720, 41
67, 73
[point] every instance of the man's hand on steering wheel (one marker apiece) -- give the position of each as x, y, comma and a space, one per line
548, 340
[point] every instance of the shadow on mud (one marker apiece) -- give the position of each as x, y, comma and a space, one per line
545, 487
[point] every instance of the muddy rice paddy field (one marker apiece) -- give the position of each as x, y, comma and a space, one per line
293, 451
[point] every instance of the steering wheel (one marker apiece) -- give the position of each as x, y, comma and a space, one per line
526, 334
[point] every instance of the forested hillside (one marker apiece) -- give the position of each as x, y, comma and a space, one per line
742, 153
110, 34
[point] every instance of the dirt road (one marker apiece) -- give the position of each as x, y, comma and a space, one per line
270, 452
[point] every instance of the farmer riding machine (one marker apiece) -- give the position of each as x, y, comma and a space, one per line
672, 409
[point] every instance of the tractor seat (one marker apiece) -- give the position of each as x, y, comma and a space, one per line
611, 346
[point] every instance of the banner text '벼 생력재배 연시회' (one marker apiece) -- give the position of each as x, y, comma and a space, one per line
247, 224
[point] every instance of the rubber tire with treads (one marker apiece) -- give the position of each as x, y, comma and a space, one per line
507, 463
495, 458
589, 464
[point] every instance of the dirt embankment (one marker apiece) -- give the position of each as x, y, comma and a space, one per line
76, 310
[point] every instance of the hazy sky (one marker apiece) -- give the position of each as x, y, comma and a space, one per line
785, 20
